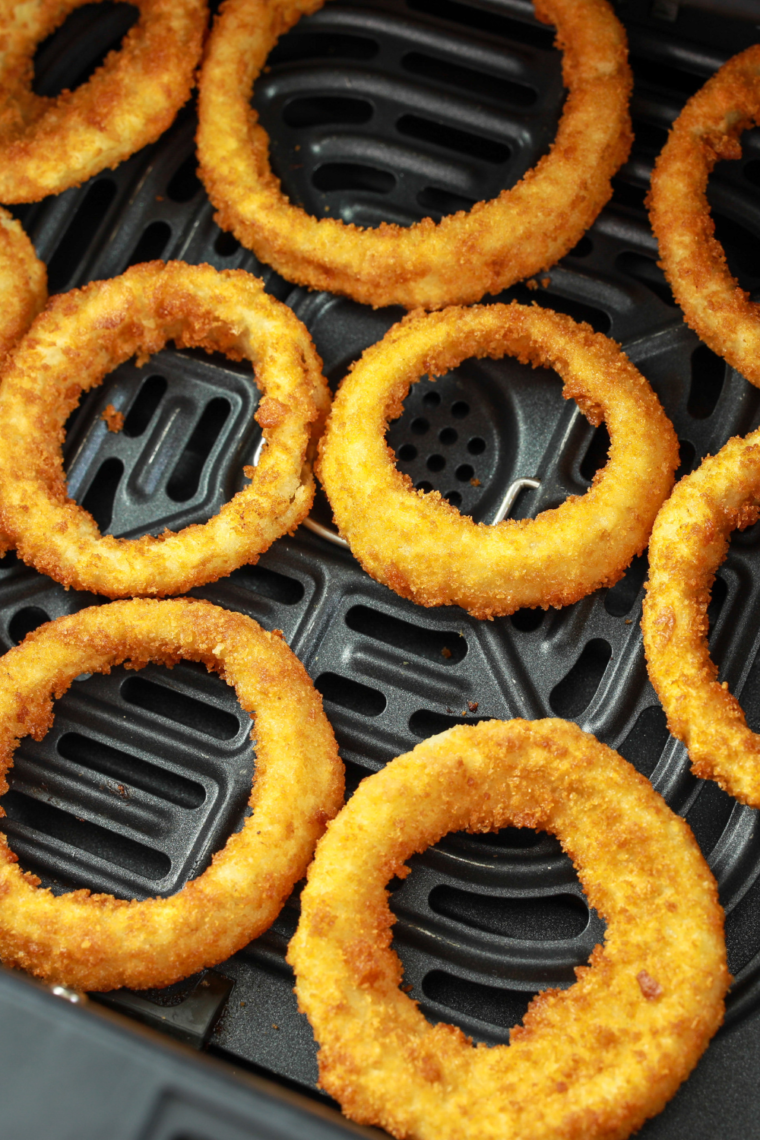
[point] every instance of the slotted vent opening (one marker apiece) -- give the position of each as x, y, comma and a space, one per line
576, 690
24, 621
352, 176
186, 477
450, 138
152, 243
79, 234
709, 815
742, 248
442, 646
597, 453
101, 493
84, 835
97, 756
94, 30
644, 744
426, 722
620, 598
297, 46
665, 77
185, 183
494, 1005
319, 110
482, 20
226, 244
191, 712
708, 371
144, 406
450, 74
269, 584
550, 918
350, 694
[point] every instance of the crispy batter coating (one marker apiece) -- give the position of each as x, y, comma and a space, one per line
592, 1061
23, 282
23, 291
79, 338
689, 541
707, 130
47, 145
98, 942
421, 546
523, 231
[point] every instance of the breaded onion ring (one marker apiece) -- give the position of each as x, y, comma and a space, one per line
707, 130
47, 145
592, 1061
80, 337
421, 546
689, 541
23, 283
99, 942
524, 230
23, 291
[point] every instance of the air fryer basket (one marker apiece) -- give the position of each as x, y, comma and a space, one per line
395, 110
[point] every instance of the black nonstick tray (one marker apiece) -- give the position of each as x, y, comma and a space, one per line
381, 109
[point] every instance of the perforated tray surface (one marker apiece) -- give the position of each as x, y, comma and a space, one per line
391, 110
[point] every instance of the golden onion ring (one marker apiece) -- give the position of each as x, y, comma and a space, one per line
99, 942
80, 337
23, 283
23, 290
707, 130
524, 230
689, 541
47, 145
421, 546
592, 1061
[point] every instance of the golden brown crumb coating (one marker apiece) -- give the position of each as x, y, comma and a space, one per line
593, 1061
523, 231
421, 546
98, 942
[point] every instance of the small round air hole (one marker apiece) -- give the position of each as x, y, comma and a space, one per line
454, 498
226, 244
431, 399
448, 436
465, 473
460, 409
476, 446
420, 425
436, 463
424, 486
407, 452
24, 621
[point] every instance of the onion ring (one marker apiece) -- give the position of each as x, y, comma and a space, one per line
523, 231
99, 942
689, 541
47, 145
23, 283
425, 549
592, 1061
707, 130
86, 333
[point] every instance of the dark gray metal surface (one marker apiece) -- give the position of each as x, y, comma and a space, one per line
393, 110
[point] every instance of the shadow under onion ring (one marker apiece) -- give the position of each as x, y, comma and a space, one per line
689, 541
49, 144
97, 942
525, 229
421, 546
708, 130
79, 338
592, 1061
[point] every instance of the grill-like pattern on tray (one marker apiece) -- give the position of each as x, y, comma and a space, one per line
393, 111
